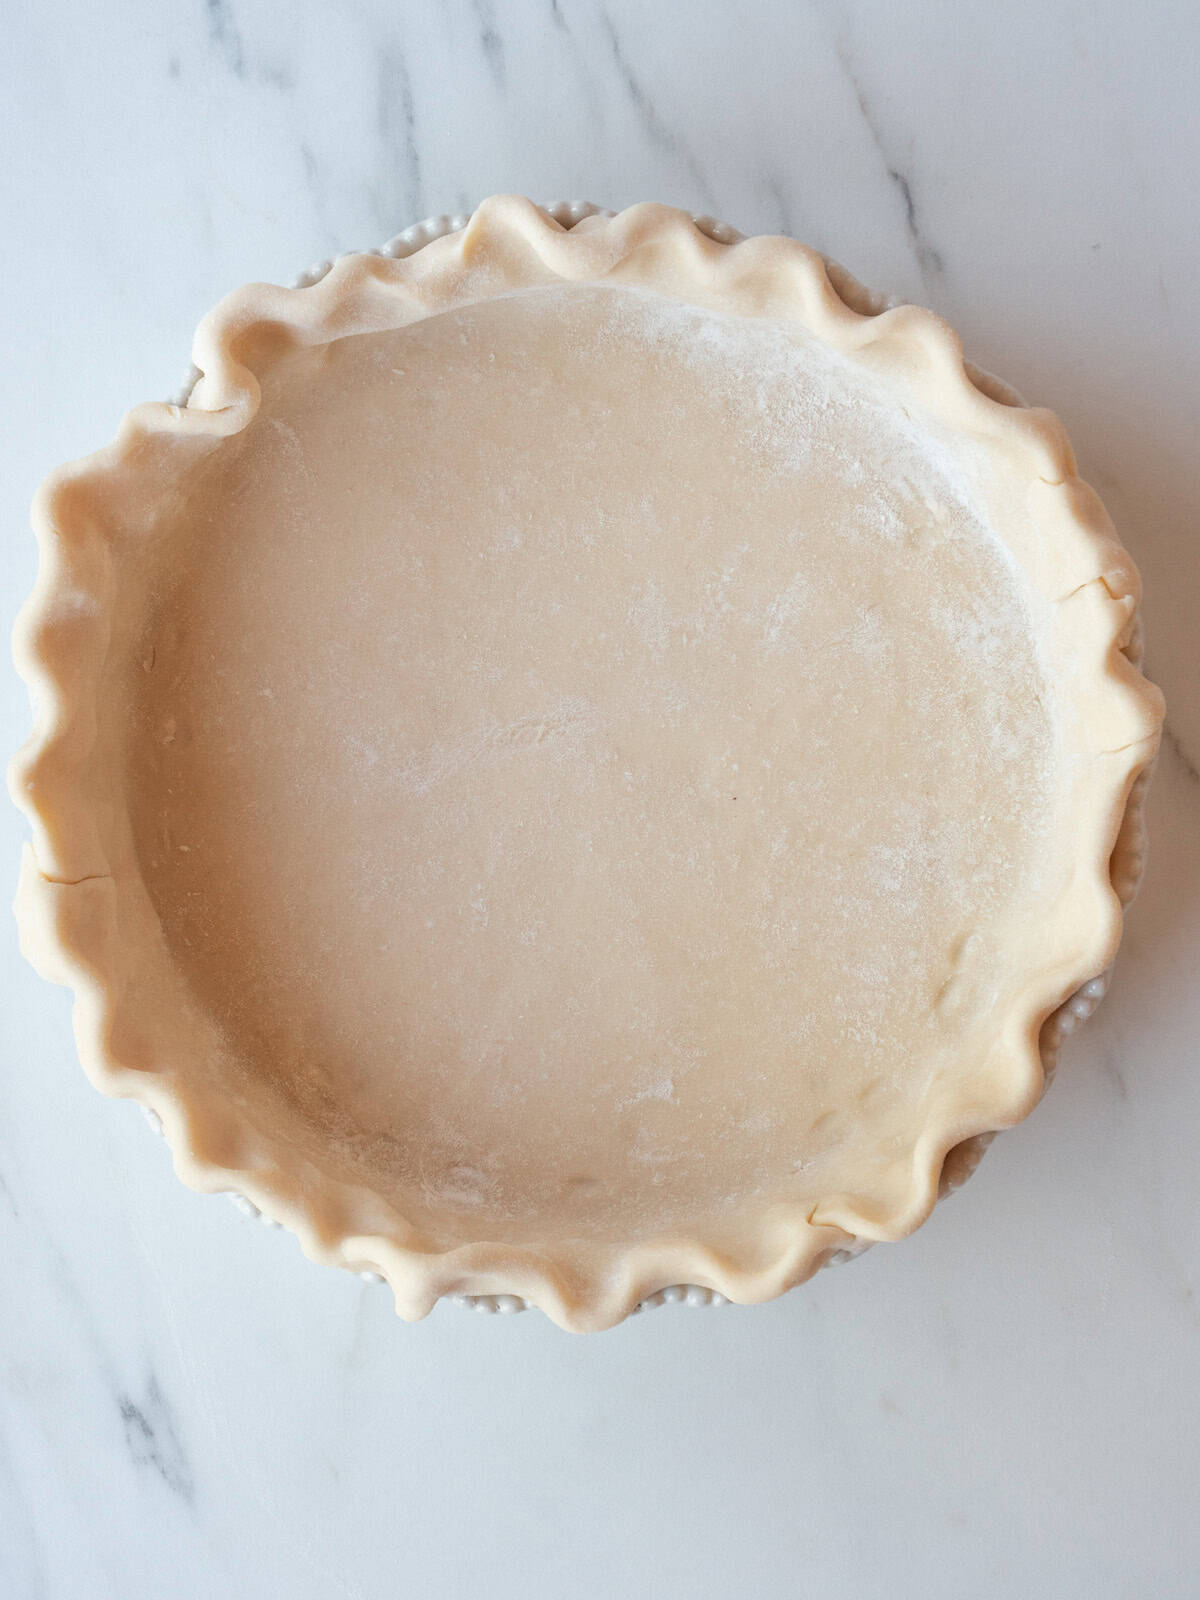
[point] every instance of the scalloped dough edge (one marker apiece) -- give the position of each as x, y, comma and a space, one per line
76, 914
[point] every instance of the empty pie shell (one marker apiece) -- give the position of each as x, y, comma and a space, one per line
580, 760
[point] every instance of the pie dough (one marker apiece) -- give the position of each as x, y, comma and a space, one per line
578, 761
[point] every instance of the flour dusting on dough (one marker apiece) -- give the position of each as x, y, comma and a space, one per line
676, 752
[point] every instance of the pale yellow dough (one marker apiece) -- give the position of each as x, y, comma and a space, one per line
598, 761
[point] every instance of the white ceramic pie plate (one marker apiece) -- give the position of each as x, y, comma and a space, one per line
1129, 856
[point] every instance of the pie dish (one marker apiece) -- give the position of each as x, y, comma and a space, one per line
582, 759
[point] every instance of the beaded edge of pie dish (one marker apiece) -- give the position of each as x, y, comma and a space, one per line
68, 943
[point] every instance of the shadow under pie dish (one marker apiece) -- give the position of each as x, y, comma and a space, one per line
580, 760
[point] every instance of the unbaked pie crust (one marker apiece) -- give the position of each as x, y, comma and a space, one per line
579, 761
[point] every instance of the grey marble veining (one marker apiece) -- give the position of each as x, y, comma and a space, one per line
1003, 1407
1174, 747
153, 1441
929, 259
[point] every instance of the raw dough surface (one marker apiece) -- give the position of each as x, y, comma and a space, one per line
590, 757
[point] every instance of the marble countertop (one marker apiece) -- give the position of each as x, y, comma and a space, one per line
1006, 1405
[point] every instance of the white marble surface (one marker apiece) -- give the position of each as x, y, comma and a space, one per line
1008, 1405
